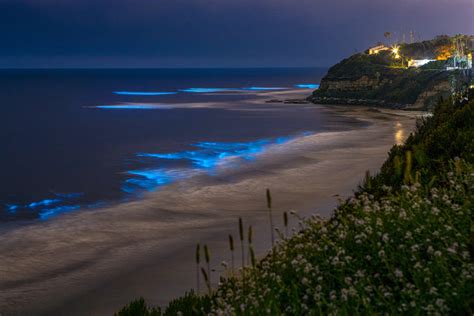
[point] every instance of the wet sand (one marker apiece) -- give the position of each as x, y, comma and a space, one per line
94, 262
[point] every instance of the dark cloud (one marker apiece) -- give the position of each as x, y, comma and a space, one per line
212, 32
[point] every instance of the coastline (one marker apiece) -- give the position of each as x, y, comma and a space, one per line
144, 248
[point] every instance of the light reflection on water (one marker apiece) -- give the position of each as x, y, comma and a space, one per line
399, 134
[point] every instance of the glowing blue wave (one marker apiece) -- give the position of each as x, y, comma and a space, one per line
47, 208
205, 158
131, 107
11, 208
46, 202
48, 213
143, 93
264, 88
207, 90
308, 86
212, 153
211, 90
150, 179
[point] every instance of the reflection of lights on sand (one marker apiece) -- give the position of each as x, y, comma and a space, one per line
399, 134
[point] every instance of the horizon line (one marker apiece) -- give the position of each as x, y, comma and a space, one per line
160, 68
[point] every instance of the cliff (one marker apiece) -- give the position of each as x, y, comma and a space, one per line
372, 80
382, 79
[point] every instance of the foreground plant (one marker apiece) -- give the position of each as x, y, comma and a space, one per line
406, 253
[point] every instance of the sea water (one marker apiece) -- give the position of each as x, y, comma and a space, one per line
80, 139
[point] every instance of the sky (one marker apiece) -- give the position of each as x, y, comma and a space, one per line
212, 33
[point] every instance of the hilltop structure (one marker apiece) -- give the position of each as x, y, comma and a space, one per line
404, 75
377, 49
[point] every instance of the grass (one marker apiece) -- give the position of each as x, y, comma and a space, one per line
404, 244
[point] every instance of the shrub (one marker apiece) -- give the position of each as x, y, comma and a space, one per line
138, 308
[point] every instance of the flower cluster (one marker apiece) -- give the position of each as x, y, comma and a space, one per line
407, 252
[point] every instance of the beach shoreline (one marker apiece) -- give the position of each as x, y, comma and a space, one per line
107, 257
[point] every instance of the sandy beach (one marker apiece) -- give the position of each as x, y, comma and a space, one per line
93, 262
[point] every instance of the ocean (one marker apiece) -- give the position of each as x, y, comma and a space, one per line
82, 139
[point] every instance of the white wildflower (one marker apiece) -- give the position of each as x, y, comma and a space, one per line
398, 273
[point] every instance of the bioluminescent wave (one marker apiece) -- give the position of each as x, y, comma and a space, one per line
11, 208
47, 208
132, 107
308, 86
150, 179
208, 90
212, 90
46, 202
204, 159
264, 88
139, 93
48, 213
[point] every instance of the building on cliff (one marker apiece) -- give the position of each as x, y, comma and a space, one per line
419, 62
377, 49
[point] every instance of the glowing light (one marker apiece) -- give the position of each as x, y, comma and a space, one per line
207, 90
11, 208
377, 49
150, 179
48, 213
206, 157
212, 90
264, 88
399, 134
47, 207
308, 86
46, 202
138, 93
132, 107
395, 50
418, 62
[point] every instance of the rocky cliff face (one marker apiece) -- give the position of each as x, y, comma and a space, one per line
371, 80
431, 95
360, 84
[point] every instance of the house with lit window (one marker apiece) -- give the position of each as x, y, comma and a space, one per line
377, 49
470, 47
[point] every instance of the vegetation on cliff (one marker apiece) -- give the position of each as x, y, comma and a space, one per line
403, 244
372, 78
383, 78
